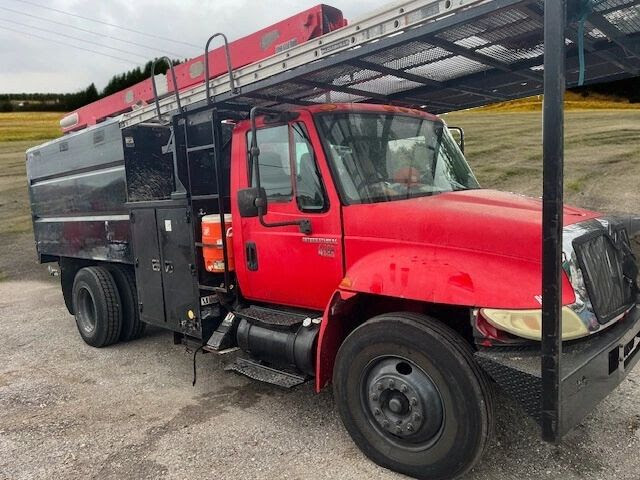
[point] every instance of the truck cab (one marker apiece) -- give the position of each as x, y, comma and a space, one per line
386, 195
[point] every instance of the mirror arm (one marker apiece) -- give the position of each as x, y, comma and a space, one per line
461, 131
304, 224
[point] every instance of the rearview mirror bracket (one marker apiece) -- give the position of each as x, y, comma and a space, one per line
461, 132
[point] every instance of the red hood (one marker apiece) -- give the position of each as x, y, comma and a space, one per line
477, 220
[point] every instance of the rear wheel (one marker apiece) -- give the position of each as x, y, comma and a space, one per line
132, 326
96, 304
412, 397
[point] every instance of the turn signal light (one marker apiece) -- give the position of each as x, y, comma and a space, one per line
528, 323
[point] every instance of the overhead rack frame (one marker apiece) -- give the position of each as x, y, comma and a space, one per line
442, 55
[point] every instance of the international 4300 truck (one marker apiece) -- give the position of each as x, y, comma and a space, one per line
332, 230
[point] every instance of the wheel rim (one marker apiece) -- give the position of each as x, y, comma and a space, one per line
402, 402
86, 310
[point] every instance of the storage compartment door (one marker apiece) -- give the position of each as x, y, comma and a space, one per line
148, 266
178, 268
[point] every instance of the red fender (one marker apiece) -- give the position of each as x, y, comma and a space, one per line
448, 275
335, 323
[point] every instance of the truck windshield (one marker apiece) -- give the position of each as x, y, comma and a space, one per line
387, 157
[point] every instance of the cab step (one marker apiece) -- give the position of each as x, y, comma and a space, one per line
271, 318
262, 373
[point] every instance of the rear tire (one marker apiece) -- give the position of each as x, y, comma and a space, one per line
96, 304
132, 326
412, 397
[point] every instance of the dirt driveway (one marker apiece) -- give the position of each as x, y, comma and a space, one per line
68, 411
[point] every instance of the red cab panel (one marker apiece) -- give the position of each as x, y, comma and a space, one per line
282, 265
473, 248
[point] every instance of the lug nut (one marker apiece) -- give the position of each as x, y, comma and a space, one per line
398, 422
392, 384
404, 389
410, 427
377, 412
414, 402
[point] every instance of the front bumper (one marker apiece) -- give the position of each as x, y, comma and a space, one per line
590, 369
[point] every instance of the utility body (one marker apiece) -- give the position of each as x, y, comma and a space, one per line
339, 242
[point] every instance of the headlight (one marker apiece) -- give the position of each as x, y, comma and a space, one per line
528, 323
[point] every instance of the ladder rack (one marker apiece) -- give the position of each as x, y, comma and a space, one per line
389, 21
442, 55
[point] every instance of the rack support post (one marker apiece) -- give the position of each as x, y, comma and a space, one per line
552, 216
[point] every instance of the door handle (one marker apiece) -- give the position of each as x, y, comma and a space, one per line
251, 252
168, 267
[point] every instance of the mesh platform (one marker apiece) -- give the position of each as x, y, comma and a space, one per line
487, 53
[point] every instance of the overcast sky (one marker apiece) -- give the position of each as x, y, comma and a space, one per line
31, 64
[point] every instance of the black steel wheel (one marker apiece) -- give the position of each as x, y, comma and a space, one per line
132, 326
412, 397
96, 304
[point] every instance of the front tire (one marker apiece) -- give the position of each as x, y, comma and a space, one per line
96, 304
412, 397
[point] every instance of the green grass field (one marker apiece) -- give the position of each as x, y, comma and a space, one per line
573, 101
503, 147
602, 160
29, 126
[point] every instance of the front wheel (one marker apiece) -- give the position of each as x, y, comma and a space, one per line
412, 397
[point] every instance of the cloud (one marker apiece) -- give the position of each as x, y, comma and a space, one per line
32, 64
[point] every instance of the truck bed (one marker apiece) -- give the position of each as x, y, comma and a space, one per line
77, 189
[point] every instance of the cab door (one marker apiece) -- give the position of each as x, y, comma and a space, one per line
281, 264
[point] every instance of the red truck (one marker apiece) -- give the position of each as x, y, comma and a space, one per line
345, 243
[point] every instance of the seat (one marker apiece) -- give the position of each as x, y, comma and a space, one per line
275, 175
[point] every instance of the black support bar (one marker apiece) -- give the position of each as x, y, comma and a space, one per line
614, 34
589, 44
343, 89
552, 221
279, 100
482, 58
412, 77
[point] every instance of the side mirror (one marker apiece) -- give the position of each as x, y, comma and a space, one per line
252, 202
461, 133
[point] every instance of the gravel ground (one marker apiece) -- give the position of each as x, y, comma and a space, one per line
68, 411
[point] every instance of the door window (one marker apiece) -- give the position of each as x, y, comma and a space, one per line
309, 192
282, 149
274, 161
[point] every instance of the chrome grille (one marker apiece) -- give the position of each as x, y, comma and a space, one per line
601, 257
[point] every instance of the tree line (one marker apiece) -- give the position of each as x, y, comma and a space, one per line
67, 102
